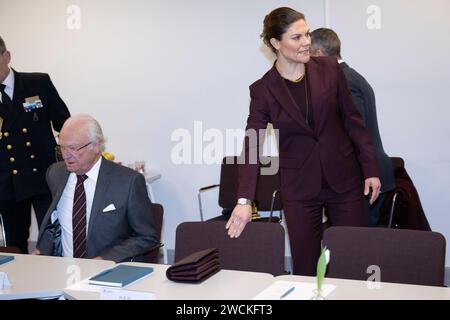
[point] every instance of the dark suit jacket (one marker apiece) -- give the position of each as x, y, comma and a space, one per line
116, 235
364, 99
27, 143
339, 146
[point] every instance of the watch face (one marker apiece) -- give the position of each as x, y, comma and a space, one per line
243, 201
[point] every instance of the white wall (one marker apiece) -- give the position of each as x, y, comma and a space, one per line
146, 68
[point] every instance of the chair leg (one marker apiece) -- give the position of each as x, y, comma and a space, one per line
200, 206
391, 214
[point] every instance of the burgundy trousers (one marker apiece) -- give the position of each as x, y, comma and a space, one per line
304, 223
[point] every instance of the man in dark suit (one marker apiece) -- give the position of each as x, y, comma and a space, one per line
29, 106
325, 42
101, 208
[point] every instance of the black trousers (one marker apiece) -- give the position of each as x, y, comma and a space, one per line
373, 211
17, 218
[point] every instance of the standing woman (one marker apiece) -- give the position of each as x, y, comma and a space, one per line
326, 156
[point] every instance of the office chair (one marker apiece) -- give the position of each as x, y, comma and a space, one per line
259, 248
403, 256
3, 244
402, 207
267, 192
152, 255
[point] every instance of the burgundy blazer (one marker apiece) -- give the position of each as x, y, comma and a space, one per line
339, 146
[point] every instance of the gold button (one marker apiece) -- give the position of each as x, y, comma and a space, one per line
34, 170
9, 147
15, 171
12, 159
28, 144
24, 130
6, 134
32, 156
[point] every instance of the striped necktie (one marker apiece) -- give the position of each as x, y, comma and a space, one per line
79, 218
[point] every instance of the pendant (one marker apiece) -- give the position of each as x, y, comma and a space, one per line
35, 117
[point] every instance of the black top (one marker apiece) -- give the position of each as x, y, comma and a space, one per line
298, 93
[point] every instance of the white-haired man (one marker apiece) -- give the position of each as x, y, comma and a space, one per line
100, 209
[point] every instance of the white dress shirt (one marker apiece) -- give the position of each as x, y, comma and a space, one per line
64, 208
9, 83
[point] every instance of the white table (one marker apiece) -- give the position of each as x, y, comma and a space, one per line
360, 290
224, 285
34, 276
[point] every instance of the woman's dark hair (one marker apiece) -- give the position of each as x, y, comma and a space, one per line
277, 22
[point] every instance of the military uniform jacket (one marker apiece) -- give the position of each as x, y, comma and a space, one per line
27, 143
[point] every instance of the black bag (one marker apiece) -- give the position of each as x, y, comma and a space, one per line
50, 241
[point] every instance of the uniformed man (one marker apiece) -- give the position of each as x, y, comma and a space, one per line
29, 106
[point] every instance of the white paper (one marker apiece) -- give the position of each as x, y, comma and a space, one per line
4, 281
84, 285
121, 294
302, 291
108, 293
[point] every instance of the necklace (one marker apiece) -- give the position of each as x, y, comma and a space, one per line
307, 103
294, 81
299, 79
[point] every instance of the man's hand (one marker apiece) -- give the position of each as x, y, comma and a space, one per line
374, 184
36, 252
241, 215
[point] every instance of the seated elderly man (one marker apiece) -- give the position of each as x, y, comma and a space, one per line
100, 209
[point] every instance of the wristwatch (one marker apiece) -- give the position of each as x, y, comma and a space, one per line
244, 201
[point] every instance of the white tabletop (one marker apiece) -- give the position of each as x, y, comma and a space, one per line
224, 285
363, 290
34, 276
46, 277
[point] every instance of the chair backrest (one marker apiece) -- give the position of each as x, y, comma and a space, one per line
266, 186
402, 207
260, 247
10, 249
397, 162
158, 214
403, 256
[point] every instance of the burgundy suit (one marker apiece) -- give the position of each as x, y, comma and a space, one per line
337, 150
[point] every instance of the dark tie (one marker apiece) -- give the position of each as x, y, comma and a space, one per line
79, 218
6, 104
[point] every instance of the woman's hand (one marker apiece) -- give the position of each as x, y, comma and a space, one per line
374, 184
241, 215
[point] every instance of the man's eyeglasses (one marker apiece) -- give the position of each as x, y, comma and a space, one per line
70, 149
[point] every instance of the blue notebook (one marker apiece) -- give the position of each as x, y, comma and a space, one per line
120, 276
5, 259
